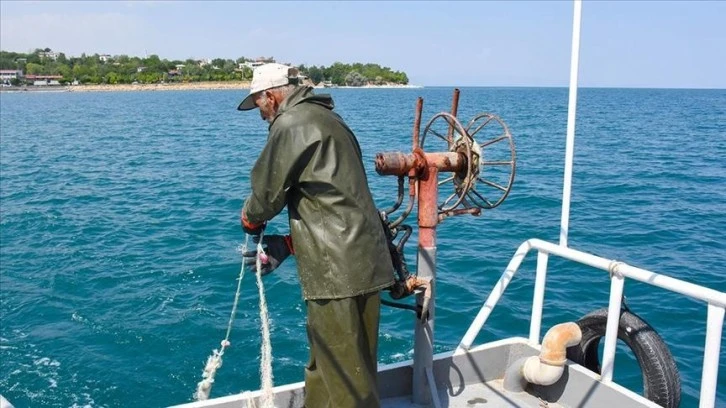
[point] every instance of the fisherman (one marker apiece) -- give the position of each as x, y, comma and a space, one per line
312, 164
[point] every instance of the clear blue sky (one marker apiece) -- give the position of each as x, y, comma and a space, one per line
517, 43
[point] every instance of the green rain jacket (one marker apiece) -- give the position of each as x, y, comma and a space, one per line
312, 163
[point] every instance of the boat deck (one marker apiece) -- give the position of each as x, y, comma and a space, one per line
483, 395
473, 379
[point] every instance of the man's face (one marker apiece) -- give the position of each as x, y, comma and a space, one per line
267, 104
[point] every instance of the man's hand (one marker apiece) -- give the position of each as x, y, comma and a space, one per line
277, 248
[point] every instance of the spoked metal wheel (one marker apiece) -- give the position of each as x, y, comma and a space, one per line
494, 161
445, 129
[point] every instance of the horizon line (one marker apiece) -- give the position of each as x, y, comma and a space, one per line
579, 87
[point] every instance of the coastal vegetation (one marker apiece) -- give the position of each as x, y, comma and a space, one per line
124, 69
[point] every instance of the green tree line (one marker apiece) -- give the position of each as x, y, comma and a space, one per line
354, 74
124, 69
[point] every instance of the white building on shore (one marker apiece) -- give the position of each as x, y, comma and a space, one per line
49, 55
7, 75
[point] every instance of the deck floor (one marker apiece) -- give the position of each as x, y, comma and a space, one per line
484, 395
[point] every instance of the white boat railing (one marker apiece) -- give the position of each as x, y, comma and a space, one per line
618, 272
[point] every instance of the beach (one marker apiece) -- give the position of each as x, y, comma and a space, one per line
132, 87
183, 86
384, 86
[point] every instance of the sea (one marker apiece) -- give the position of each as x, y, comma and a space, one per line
120, 235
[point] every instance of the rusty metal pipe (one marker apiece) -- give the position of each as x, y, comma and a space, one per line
399, 164
448, 161
461, 211
428, 211
556, 342
417, 122
548, 367
454, 111
394, 164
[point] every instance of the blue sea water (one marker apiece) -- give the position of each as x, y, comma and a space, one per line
119, 233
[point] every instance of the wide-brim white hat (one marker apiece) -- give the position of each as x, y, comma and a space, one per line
268, 76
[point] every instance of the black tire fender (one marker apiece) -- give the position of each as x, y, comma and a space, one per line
661, 380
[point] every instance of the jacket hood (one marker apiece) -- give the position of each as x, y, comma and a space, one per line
304, 94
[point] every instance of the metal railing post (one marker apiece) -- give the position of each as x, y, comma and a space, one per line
617, 283
538, 299
571, 114
709, 378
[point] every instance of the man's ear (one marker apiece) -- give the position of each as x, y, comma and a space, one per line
273, 97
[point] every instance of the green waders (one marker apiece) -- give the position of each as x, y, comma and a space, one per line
343, 365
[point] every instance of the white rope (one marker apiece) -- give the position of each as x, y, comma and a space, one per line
267, 397
214, 361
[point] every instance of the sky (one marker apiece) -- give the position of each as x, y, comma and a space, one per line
659, 44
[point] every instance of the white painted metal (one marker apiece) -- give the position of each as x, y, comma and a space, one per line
643, 275
617, 284
714, 326
620, 271
538, 300
571, 114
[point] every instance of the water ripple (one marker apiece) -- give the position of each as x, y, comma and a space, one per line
120, 232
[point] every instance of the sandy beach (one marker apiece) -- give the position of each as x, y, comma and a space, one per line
161, 87
132, 87
187, 86
385, 86
203, 86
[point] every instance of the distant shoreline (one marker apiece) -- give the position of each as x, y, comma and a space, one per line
246, 85
187, 86
132, 87
388, 86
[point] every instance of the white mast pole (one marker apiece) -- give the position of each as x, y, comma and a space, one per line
571, 110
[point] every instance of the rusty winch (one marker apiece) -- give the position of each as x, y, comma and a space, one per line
479, 175
479, 163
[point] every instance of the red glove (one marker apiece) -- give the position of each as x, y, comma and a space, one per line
250, 228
